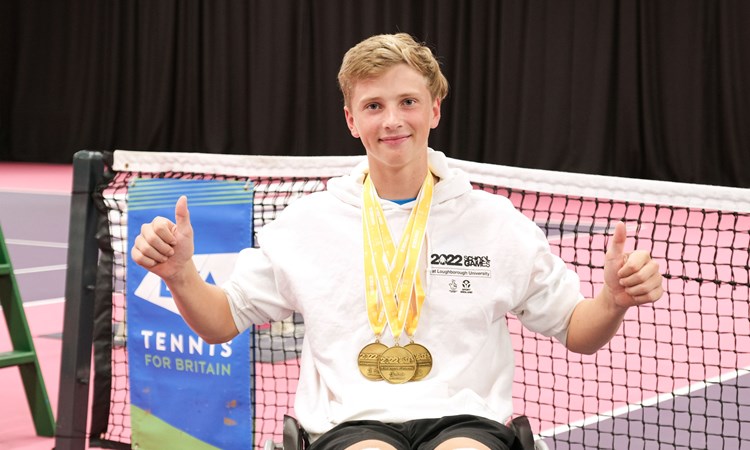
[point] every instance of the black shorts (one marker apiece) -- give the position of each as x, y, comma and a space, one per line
422, 434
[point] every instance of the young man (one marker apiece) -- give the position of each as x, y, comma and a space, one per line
392, 358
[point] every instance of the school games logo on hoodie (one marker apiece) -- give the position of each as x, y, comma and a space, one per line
463, 266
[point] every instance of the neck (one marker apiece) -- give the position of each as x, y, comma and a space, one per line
398, 186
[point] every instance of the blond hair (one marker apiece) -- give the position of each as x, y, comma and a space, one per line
373, 56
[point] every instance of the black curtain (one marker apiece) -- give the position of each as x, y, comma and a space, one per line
655, 89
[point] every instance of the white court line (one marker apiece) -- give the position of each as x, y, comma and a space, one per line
40, 269
648, 402
36, 243
33, 192
46, 302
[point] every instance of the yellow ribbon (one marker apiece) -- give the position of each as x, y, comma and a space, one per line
394, 271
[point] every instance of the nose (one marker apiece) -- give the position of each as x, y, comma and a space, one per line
392, 118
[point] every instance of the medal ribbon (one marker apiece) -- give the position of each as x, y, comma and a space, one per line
393, 270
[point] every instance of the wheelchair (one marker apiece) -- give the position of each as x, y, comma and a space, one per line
295, 437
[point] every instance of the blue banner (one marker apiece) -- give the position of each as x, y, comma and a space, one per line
185, 393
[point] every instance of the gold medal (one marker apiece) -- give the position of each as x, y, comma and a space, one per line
368, 360
397, 365
423, 359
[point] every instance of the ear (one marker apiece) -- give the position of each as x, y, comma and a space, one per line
350, 122
435, 113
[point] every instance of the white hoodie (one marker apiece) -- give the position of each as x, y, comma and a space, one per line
483, 260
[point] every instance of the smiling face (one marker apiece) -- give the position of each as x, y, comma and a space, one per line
392, 114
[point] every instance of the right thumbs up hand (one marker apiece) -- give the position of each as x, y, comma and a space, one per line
165, 247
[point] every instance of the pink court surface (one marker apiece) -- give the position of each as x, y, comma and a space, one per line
686, 345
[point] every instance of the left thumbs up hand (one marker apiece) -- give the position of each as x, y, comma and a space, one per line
631, 278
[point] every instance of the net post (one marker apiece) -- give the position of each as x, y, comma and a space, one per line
80, 278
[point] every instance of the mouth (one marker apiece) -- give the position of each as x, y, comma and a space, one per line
394, 140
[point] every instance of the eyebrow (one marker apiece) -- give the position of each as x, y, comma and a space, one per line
378, 99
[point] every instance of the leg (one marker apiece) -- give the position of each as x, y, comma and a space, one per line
462, 432
371, 444
461, 443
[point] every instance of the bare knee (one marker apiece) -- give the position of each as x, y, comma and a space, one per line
371, 444
461, 443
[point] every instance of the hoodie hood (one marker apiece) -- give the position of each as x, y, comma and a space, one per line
451, 184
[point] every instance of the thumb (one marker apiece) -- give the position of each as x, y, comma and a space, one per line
181, 213
617, 243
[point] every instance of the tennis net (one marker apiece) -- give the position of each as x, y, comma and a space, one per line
677, 374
